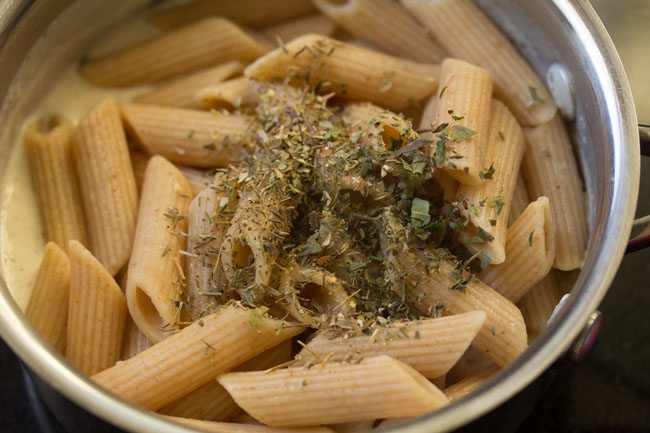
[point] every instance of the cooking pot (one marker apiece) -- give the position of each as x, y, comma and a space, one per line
562, 39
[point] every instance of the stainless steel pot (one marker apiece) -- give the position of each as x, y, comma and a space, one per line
563, 32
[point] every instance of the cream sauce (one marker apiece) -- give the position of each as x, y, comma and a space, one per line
21, 231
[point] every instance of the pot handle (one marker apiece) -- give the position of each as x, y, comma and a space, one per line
640, 237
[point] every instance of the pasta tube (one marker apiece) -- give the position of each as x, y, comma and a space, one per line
198, 179
194, 356
230, 94
199, 45
155, 280
48, 144
252, 13
226, 427
430, 346
464, 31
134, 340
519, 200
551, 170
386, 24
48, 306
180, 92
464, 103
489, 202
108, 190
469, 384
395, 129
305, 396
187, 137
212, 402
348, 70
530, 250
286, 31
96, 314
538, 304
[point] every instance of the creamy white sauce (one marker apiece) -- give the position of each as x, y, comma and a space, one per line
21, 231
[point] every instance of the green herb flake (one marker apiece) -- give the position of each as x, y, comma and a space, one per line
530, 238
534, 94
459, 133
440, 152
190, 133
256, 315
355, 266
488, 174
420, 211
385, 86
493, 329
485, 261
498, 202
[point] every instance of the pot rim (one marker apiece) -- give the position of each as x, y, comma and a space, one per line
590, 32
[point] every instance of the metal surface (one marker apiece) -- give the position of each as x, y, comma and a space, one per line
585, 342
605, 132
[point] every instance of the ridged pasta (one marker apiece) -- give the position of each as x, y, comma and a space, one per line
180, 92
48, 306
469, 384
540, 301
288, 30
134, 340
198, 45
430, 346
187, 137
230, 94
465, 32
530, 250
334, 392
156, 281
48, 145
193, 357
225, 427
96, 313
108, 190
348, 70
386, 24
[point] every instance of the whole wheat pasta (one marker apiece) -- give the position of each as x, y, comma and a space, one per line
430, 346
212, 402
395, 129
180, 92
155, 281
469, 384
226, 427
519, 200
231, 94
48, 144
386, 24
540, 301
134, 340
286, 31
139, 161
348, 70
194, 356
465, 32
47, 310
551, 170
252, 13
96, 313
530, 250
464, 103
198, 179
489, 202
187, 137
305, 396
198, 45
108, 190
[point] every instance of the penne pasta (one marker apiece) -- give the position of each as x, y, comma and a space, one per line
96, 313
48, 145
289, 30
229, 95
466, 33
198, 179
395, 129
489, 202
198, 45
469, 384
305, 396
551, 170
225, 427
386, 24
530, 250
188, 137
430, 346
155, 282
252, 13
47, 310
139, 161
194, 356
349, 71
212, 402
180, 92
540, 301
134, 340
519, 200
464, 104
108, 190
